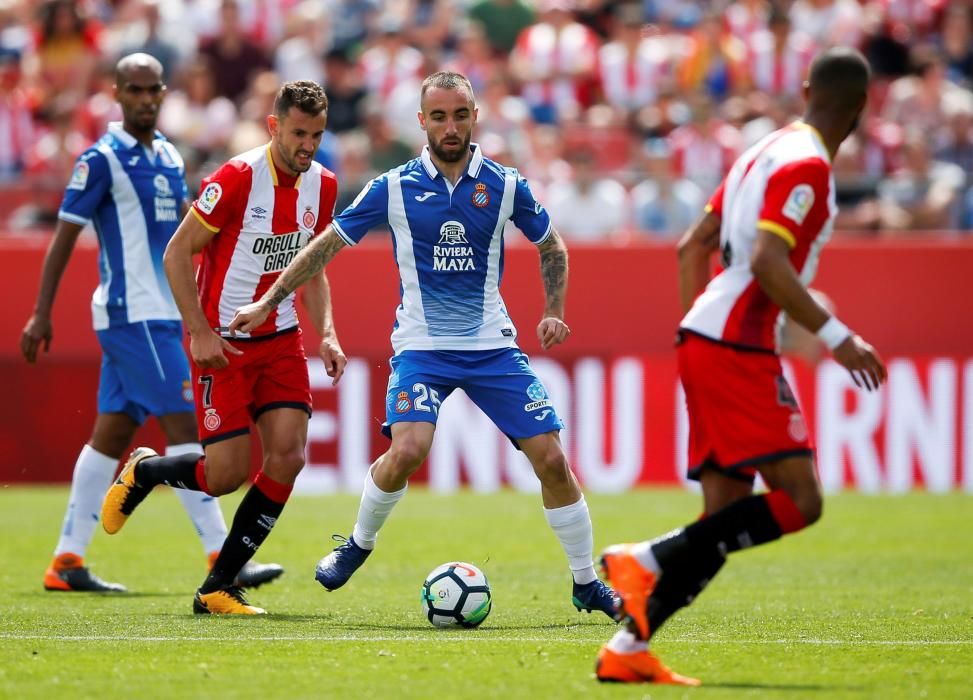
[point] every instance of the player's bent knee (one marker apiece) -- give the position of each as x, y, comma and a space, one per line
552, 467
406, 456
221, 480
285, 466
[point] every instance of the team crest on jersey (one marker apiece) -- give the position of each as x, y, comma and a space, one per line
799, 203
403, 404
187, 391
211, 421
309, 218
536, 391
162, 187
79, 178
454, 253
208, 199
480, 195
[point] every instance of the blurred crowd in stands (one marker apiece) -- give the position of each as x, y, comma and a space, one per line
623, 115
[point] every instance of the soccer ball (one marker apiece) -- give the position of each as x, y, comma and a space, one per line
456, 593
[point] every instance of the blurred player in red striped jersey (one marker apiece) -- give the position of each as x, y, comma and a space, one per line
769, 218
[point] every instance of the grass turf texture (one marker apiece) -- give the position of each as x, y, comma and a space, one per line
872, 602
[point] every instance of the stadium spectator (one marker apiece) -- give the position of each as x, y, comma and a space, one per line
634, 66
711, 60
447, 211
65, 56
829, 22
352, 22
555, 61
233, 56
916, 102
503, 21
745, 18
135, 318
266, 384
16, 122
587, 206
346, 94
923, 193
299, 55
197, 118
389, 61
147, 36
704, 148
663, 205
956, 44
778, 57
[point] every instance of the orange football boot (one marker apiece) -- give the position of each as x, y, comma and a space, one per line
640, 667
632, 582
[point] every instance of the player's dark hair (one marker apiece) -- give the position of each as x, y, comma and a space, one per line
839, 78
306, 95
446, 80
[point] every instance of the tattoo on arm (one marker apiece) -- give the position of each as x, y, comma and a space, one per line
554, 272
308, 263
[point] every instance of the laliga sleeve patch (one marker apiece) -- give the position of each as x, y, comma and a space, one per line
799, 203
208, 199
79, 178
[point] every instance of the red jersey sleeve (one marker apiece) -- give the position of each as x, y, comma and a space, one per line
329, 194
715, 203
796, 201
220, 194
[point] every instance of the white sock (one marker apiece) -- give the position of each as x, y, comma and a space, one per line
203, 509
572, 525
643, 552
374, 509
624, 642
93, 474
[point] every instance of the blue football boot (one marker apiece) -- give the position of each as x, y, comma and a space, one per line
335, 569
596, 595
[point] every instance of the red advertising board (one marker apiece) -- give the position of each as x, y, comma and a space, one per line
614, 381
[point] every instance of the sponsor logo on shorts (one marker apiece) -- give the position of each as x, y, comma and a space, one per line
535, 405
480, 197
797, 428
210, 196
187, 391
536, 391
403, 404
544, 414
785, 397
211, 421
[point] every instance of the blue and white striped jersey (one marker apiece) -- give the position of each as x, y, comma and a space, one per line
448, 245
133, 197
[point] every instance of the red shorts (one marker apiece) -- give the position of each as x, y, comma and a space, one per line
271, 373
742, 412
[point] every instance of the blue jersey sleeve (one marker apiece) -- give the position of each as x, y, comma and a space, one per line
369, 211
90, 181
528, 214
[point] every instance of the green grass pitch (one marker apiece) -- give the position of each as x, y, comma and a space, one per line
875, 601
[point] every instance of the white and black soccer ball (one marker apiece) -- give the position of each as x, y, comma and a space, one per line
456, 593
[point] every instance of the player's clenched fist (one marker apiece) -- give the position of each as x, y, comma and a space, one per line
248, 317
552, 331
862, 362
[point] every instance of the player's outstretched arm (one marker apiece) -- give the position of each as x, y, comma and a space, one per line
206, 347
552, 330
39, 329
308, 263
772, 268
695, 249
317, 300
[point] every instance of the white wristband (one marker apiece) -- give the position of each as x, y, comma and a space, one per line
833, 333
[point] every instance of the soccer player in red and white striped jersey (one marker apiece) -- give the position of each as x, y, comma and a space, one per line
769, 218
251, 218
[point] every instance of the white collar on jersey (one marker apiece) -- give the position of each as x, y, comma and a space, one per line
129, 141
476, 162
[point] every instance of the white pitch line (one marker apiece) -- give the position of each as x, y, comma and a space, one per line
473, 637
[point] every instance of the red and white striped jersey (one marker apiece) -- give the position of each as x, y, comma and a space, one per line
263, 217
782, 184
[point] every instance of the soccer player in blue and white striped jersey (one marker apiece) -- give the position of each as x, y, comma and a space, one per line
447, 211
131, 187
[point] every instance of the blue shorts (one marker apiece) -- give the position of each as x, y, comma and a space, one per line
144, 370
501, 382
